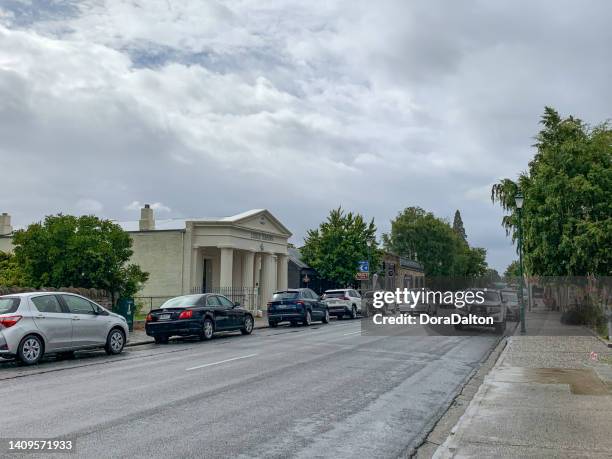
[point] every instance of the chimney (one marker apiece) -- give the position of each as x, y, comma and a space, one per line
5, 224
147, 220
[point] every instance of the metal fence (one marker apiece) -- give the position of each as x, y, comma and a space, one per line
248, 297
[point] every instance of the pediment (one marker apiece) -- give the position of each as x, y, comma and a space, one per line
262, 221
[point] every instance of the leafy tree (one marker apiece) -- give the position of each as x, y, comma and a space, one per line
492, 275
10, 273
458, 226
69, 251
335, 248
417, 233
567, 212
513, 270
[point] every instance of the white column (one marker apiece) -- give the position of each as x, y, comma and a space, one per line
267, 282
248, 266
282, 262
226, 269
194, 270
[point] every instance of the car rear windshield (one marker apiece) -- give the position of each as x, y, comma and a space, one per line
335, 294
279, 296
9, 305
182, 301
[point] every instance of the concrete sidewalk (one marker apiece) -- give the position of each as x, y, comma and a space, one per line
138, 337
547, 396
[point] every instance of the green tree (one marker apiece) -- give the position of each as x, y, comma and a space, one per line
492, 275
417, 233
458, 226
567, 212
69, 251
10, 273
335, 248
513, 270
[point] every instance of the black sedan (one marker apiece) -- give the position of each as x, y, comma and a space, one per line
197, 315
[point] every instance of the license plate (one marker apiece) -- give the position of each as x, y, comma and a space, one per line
164, 316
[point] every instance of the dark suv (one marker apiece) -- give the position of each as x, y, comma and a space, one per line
296, 305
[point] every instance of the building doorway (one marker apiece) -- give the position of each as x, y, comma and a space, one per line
207, 275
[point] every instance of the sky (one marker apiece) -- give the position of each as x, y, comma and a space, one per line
206, 108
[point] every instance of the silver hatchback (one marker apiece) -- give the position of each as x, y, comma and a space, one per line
34, 324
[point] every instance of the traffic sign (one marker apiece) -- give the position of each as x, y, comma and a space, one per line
363, 266
362, 276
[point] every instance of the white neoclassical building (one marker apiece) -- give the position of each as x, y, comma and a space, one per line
244, 256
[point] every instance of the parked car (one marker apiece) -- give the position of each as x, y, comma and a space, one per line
295, 306
492, 306
197, 315
40, 323
343, 302
423, 305
511, 299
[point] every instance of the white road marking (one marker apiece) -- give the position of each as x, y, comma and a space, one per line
222, 361
352, 333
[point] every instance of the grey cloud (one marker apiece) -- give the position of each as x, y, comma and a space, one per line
214, 108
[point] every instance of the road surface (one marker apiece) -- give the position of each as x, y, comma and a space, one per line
322, 391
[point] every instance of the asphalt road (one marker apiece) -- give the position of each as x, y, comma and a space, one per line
322, 391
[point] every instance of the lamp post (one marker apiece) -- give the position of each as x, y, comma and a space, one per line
519, 199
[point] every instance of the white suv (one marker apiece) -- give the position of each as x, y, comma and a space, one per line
343, 302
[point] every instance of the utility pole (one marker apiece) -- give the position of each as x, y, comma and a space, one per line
519, 199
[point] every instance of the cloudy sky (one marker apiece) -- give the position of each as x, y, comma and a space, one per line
211, 108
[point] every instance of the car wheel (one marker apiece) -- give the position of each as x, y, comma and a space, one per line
248, 325
272, 324
307, 319
354, 312
115, 342
30, 350
326, 317
293, 323
161, 339
208, 329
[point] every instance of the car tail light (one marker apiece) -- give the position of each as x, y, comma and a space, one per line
187, 314
300, 302
9, 321
149, 318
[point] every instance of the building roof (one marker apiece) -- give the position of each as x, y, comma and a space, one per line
295, 256
180, 223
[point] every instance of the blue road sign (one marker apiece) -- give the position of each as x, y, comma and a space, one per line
364, 266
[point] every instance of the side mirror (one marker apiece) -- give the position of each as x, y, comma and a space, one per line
236, 304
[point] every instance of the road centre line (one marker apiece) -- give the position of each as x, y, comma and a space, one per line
220, 362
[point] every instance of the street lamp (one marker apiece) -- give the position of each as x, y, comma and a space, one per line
519, 199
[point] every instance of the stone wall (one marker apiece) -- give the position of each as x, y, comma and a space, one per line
160, 253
